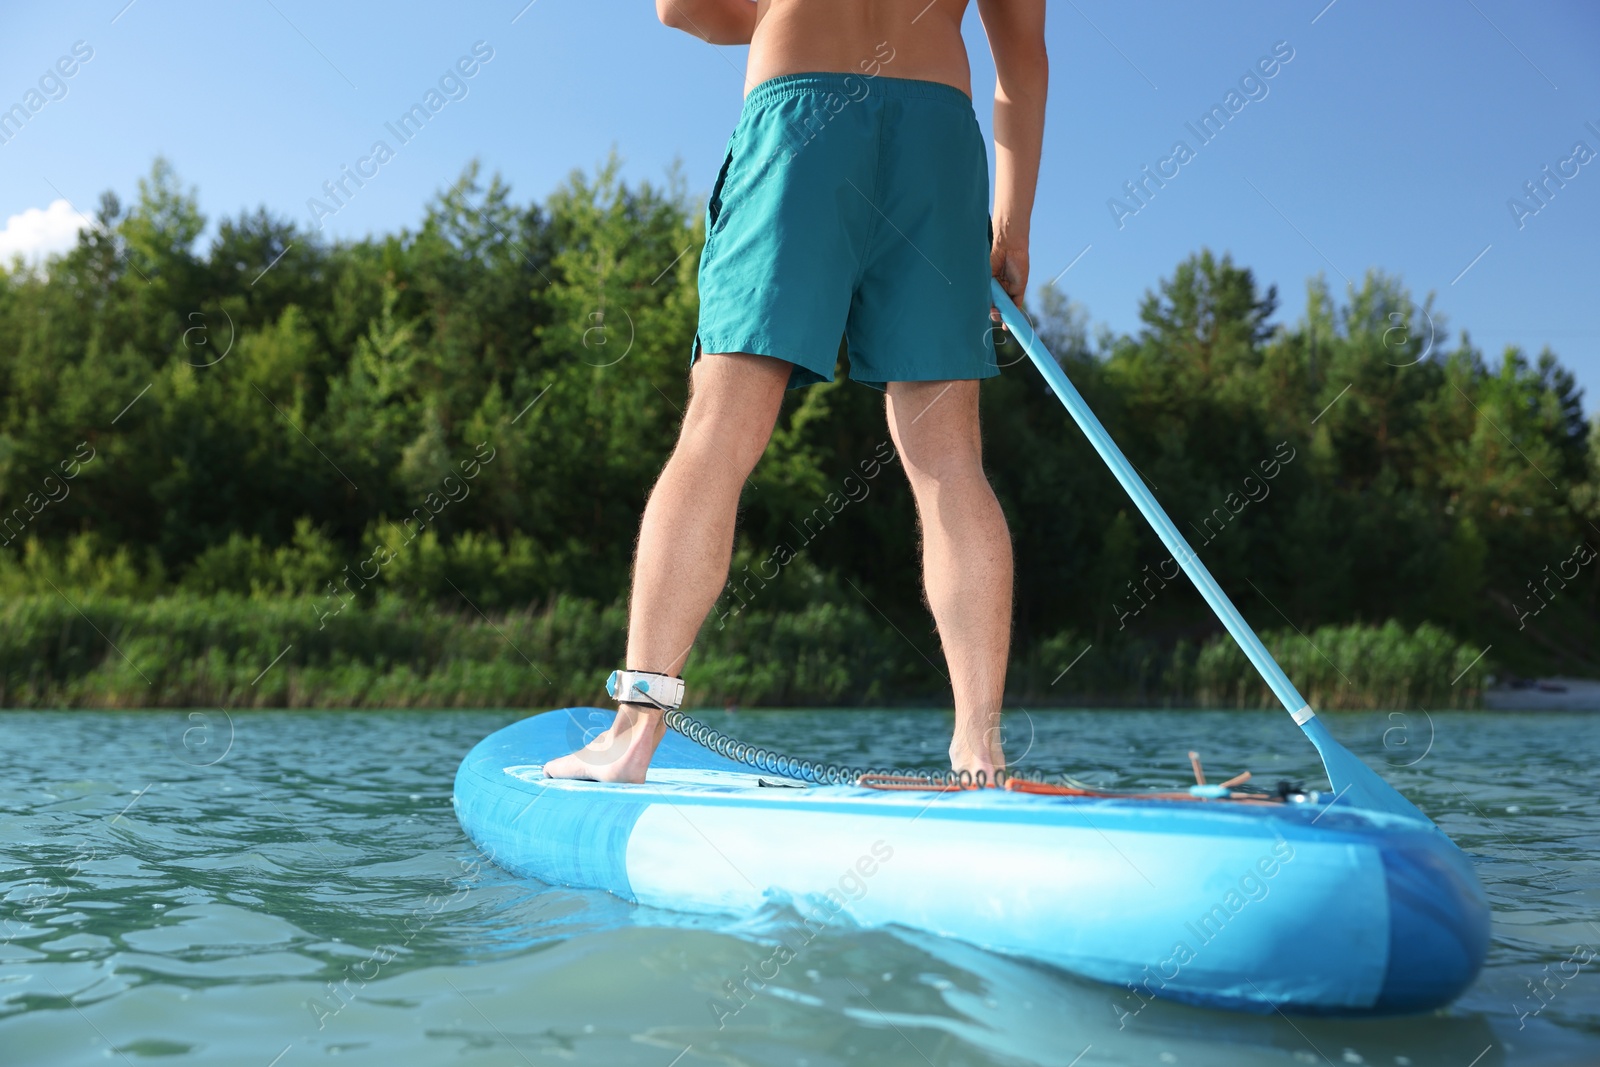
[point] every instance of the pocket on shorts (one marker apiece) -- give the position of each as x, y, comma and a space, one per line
714, 206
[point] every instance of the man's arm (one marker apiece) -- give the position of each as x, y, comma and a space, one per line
713, 21
1022, 77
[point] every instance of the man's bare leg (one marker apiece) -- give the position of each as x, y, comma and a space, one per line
966, 555
685, 545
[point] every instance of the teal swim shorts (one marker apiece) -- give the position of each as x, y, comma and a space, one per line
855, 203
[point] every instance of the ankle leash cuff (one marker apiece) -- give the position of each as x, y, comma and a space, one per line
641, 687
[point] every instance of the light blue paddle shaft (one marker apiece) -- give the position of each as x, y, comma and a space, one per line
1353, 781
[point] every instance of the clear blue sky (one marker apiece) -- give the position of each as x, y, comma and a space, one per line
1394, 138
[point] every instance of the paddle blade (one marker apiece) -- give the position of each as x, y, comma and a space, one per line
1354, 783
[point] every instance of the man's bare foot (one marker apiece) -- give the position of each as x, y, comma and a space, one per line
978, 754
620, 754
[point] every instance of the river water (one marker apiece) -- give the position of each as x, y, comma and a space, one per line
274, 889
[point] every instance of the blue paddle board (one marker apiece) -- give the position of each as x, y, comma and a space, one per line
1307, 906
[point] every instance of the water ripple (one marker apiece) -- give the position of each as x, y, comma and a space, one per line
270, 888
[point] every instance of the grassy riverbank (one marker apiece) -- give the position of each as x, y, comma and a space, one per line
92, 650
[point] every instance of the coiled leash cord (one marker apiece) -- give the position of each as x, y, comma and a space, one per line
822, 773
665, 692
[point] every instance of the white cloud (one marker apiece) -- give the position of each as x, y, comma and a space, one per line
35, 233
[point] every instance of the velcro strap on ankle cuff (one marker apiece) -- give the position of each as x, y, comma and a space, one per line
641, 687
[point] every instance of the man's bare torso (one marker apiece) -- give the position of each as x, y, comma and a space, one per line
895, 38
